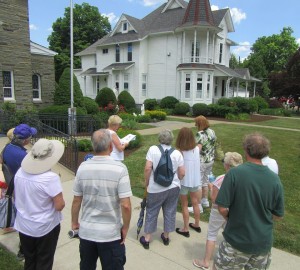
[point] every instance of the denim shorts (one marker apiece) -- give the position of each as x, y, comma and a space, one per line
185, 190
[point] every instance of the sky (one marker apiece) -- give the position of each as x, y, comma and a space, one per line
252, 18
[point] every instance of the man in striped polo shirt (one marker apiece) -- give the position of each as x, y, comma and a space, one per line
102, 188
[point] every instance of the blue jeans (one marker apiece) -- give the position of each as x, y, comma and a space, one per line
112, 255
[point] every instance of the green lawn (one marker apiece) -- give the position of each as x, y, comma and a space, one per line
281, 122
9, 261
285, 149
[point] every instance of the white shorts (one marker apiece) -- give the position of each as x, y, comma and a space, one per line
216, 221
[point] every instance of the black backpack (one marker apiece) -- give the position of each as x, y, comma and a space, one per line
163, 174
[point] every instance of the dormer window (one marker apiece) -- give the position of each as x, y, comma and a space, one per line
125, 27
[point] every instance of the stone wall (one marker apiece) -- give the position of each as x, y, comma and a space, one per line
15, 49
44, 66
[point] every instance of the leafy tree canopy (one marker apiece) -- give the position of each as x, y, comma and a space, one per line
88, 26
273, 51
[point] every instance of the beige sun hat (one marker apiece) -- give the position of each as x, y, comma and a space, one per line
43, 156
233, 159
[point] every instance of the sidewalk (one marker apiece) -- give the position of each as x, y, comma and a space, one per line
178, 255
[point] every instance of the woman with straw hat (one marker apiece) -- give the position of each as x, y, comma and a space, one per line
39, 202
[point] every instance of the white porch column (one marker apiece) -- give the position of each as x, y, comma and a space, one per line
213, 50
207, 42
195, 40
246, 89
183, 48
254, 89
237, 88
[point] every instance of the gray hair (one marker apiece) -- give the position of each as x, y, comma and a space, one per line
19, 141
114, 120
165, 137
233, 159
101, 140
256, 145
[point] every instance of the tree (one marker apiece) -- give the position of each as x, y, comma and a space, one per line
234, 62
88, 26
62, 94
274, 51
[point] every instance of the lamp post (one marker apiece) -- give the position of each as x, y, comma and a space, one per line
72, 109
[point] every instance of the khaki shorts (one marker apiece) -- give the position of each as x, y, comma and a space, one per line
228, 257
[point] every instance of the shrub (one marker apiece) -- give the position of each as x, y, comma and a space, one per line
167, 111
134, 143
181, 108
129, 124
146, 118
126, 100
261, 103
221, 110
226, 102
274, 103
200, 109
62, 94
85, 145
61, 109
168, 102
105, 97
101, 119
242, 104
150, 104
90, 105
158, 115
126, 116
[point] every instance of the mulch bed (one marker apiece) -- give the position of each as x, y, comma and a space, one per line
253, 118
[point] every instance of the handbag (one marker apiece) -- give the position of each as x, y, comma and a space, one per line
8, 210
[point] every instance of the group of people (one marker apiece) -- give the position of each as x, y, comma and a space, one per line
245, 200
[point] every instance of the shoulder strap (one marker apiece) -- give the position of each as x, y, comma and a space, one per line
160, 148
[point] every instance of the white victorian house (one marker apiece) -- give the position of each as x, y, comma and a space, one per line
181, 49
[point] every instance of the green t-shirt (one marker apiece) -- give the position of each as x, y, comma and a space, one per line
253, 194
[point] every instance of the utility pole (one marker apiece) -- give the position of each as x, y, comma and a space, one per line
72, 109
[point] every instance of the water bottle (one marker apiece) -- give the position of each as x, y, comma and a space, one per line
211, 177
73, 234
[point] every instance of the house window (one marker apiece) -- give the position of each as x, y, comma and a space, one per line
126, 82
187, 88
117, 84
104, 51
95, 60
208, 86
129, 52
144, 85
125, 27
197, 51
216, 86
117, 53
36, 87
199, 91
8, 85
221, 53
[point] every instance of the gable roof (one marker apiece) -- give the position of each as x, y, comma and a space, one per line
40, 50
166, 18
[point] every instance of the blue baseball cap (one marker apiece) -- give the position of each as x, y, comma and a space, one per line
23, 131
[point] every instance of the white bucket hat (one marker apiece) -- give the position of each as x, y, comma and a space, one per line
43, 156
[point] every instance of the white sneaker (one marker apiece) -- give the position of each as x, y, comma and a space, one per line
205, 203
191, 209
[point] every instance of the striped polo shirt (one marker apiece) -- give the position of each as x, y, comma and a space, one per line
102, 182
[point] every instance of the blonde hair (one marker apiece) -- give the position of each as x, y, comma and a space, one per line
233, 159
114, 120
201, 122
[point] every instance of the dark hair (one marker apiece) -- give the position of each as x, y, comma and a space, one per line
185, 140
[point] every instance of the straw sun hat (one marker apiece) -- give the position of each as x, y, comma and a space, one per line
43, 156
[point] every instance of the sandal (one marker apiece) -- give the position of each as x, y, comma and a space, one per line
165, 240
185, 234
144, 243
198, 264
197, 229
